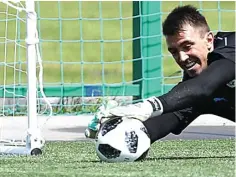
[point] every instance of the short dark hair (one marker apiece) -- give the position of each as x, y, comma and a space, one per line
182, 15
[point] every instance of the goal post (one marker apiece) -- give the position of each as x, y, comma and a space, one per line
33, 142
109, 49
92, 52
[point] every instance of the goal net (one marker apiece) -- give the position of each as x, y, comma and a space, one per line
21, 74
91, 51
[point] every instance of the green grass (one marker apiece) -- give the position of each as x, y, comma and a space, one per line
177, 158
62, 60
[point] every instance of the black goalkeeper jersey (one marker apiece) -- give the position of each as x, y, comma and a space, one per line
211, 92
216, 83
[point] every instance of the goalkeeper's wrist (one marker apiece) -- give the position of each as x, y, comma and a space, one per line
155, 104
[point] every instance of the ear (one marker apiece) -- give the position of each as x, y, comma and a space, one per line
209, 40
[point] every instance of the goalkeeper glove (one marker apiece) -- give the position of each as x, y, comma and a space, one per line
100, 116
141, 111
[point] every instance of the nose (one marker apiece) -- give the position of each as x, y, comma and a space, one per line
183, 56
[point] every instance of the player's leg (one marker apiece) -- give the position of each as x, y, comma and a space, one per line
187, 116
223, 109
160, 126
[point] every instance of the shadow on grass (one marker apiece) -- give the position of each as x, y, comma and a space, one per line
91, 161
211, 134
157, 159
167, 158
186, 158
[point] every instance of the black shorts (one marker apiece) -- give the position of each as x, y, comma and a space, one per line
188, 115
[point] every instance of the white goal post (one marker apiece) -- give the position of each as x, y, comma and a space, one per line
34, 142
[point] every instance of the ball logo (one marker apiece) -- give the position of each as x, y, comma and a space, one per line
131, 138
110, 125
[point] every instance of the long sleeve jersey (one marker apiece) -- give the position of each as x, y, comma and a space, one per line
216, 82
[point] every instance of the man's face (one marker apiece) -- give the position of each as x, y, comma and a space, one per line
190, 48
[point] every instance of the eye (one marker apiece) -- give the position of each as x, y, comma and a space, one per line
173, 52
187, 47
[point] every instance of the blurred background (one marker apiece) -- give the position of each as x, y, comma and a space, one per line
94, 51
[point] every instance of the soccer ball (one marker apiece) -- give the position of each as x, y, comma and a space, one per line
122, 139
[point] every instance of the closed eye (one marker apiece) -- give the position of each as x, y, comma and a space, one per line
172, 51
187, 47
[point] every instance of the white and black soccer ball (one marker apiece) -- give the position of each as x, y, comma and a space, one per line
122, 139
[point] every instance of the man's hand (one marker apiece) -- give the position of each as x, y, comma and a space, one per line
100, 116
141, 111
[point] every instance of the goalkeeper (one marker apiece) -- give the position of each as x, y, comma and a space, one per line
208, 84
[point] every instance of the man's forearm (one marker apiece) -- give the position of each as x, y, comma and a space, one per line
189, 93
200, 89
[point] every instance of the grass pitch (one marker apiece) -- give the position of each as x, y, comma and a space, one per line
177, 158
